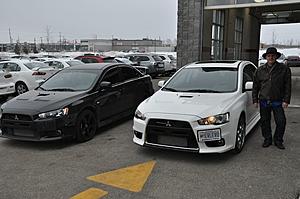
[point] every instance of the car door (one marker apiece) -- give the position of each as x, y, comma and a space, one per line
133, 88
109, 101
248, 73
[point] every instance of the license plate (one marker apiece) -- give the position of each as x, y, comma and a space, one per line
160, 65
209, 135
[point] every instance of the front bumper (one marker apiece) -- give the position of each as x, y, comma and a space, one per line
20, 127
7, 89
226, 143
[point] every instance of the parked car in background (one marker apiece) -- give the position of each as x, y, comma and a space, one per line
292, 61
170, 65
281, 59
90, 59
7, 85
74, 102
26, 74
152, 61
203, 107
143, 69
63, 63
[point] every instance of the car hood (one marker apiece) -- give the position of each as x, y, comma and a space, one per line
195, 104
34, 102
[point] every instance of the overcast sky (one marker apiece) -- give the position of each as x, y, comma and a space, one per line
126, 19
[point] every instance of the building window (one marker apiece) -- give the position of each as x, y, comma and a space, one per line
217, 35
238, 38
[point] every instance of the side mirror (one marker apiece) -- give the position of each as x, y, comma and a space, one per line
105, 85
161, 83
248, 86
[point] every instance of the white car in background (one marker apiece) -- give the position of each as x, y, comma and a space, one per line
170, 65
26, 74
7, 85
203, 107
63, 63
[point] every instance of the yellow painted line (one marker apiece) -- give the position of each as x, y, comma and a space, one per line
91, 193
130, 178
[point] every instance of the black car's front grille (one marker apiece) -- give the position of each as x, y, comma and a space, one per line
171, 133
16, 117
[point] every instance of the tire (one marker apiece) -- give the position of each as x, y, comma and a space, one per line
86, 126
240, 135
21, 88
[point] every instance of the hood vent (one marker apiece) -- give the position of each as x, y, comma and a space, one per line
43, 94
186, 96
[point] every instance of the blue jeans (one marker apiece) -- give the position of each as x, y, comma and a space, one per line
280, 121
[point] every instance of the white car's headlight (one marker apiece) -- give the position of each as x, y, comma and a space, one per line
216, 119
139, 115
55, 113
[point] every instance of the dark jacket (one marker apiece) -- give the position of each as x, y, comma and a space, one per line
274, 84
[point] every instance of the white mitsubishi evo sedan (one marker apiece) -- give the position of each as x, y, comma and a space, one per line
205, 107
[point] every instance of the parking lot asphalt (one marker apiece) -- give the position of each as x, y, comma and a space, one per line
62, 169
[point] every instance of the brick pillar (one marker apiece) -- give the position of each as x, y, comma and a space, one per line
189, 31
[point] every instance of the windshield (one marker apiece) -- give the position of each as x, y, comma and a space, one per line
32, 65
70, 80
156, 58
204, 80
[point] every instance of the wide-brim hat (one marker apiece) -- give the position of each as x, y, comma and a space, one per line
271, 50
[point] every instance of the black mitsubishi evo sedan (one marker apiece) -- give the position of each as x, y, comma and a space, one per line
75, 102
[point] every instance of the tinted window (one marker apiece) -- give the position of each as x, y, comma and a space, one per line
89, 60
205, 79
71, 80
156, 58
171, 57
129, 73
162, 57
142, 58
113, 76
55, 64
248, 73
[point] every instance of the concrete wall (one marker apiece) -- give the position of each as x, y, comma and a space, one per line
194, 31
189, 31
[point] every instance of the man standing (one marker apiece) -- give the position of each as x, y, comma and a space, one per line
272, 90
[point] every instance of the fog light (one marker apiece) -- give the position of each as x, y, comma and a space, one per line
216, 143
138, 134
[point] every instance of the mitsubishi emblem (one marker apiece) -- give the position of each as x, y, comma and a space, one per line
16, 117
168, 124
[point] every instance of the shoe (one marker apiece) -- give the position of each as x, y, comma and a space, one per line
266, 144
279, 145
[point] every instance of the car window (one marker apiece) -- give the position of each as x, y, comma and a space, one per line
142, 58
89, 60
11, 67
248, 73
204, 79
32, 65
162, 57
129, 73
55, 64
156, 58
113, 75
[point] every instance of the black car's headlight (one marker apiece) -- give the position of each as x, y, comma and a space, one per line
54, 114
216, 119
139, 115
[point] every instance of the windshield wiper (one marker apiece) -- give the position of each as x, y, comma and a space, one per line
62, 89
169, 89
202, 91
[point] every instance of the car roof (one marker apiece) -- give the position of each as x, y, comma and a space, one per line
218, 63
93, 66
19, 61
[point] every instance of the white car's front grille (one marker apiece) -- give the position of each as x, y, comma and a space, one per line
171, 133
